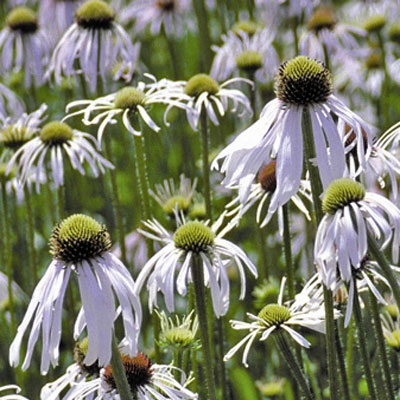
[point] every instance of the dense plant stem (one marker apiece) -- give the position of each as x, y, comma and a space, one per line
316, 188
363, 345
8, 255
293, 365
341, 362
206, 167
119, 375
201, 309
387, 377
31, 235
288, 251
350, 347
380, 258
117, 203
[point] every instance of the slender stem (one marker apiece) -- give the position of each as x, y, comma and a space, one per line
350, 347
294, 367
204, 33
380, 258
316, 187
31, 235
385, 85
173, 52
206, 167
363, 345
178, 355
8, 255
288, 251
201, 309
61, 202
119, 375
341, 362
220, 359
117, 203
294, 24
381, 347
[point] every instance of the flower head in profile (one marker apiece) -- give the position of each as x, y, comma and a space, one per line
307, 309
172, 198
24, 46
260, 192
351, 214
205, 95
247, 47
80, 245
92, 45
147, 381
130, 103
304, 105
157, 14
192, 239
57, 140
326, 33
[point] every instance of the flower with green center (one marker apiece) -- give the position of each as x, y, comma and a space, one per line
85, 49
192, 239
80, 245
24, 47
341, 241
130, 103
327, 36
47, 151
303, 86
307, 309
146, 380
175, 199
375, 23
246, 47
203, 94
180, 333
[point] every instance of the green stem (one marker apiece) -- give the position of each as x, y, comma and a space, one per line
119, 375
381, 347
61, 202
363, 345
8, 255
385, 85
350, 347
294, 24
316, 187
206, 167
177, 362
221, 351
201, 309
288, 251
341, 362
174, 54
31, 235
293, 366
380, 258
116, 201
204, 33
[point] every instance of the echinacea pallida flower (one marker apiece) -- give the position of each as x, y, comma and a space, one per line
307, 309
192, 239
303, 86
147, 381
80, 245
57, 141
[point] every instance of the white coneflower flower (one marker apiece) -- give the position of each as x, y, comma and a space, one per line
206, 95
307, 309
75, 374
303, 86
247, 47
129, 102
326, 34
350, 214
146, 380
172, 198
10, 103
24, 46
16, 131
56, 16
261, 192
80, 244
192, 239
55, 139
92, 46
169, 14
11, 396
